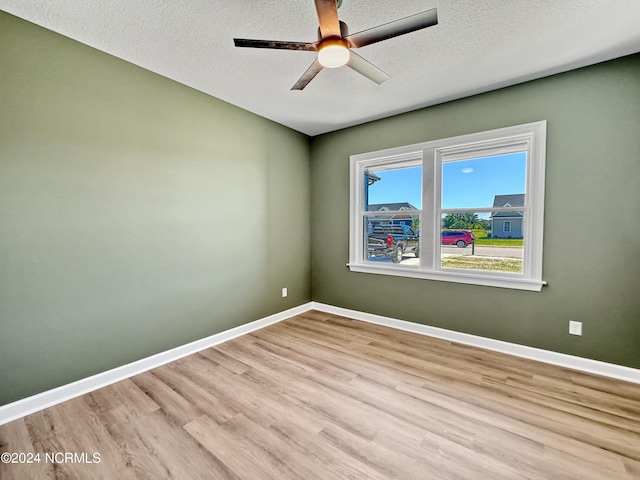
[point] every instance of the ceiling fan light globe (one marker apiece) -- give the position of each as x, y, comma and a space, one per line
333, 56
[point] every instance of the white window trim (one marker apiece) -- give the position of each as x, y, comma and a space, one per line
530, 137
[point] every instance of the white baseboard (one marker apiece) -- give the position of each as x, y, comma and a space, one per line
596, 367
35, 403
40, 401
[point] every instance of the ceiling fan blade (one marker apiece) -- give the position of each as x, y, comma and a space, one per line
363, 67
328, 18
307, 76
394, 29
246, 42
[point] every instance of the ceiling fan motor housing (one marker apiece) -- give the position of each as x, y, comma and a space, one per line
344, 31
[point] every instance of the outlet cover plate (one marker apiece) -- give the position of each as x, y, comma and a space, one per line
575, 328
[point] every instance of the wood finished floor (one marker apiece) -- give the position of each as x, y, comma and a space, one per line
320, 396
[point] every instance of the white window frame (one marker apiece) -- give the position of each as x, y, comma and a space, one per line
530, 137
504, 226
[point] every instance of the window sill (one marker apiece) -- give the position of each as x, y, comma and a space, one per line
517, 283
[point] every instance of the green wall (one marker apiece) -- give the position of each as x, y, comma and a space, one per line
592, 219
136, 214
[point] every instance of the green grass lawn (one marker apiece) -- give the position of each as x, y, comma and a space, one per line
481, 239
483, 263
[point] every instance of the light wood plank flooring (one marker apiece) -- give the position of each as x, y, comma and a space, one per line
320, 396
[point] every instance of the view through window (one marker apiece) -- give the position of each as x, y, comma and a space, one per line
478, 195
393, 201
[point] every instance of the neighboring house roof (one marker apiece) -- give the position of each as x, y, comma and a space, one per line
514, 200
391, 207
507, 215
511, 200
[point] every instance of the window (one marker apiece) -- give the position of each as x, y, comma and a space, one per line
465, 209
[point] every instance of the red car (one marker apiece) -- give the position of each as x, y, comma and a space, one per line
461, 238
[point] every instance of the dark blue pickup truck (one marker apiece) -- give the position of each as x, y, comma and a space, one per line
391, 240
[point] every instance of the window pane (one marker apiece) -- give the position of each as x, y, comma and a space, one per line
391, 241
477, 242
393, 189
484, 182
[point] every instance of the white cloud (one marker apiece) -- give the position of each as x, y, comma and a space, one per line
467, 170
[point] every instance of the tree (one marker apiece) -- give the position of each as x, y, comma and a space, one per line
463, 221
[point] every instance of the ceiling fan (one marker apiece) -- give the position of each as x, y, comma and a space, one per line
334, 45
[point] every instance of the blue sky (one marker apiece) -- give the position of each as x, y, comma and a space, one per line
465, 183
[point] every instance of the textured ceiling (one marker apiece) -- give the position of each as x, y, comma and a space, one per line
477, 46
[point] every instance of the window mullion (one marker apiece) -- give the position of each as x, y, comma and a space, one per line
429, 230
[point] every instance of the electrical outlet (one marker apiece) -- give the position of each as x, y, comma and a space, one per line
284, 292
575, 328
